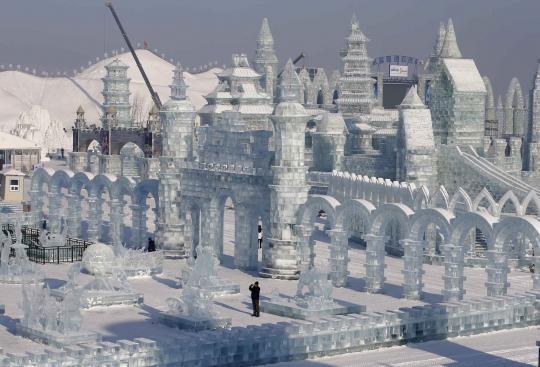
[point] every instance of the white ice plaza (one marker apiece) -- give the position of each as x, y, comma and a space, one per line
380, 225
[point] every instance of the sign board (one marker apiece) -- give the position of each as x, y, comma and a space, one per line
399, 71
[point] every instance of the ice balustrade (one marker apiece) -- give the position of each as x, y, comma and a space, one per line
300, 339
345, 185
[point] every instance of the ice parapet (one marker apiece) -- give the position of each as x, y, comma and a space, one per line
313, 299
13, 270
50, 321
195, 308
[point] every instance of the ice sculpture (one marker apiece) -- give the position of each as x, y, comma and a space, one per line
50, 321
319, 290
194, 310
109, 285
137, 263
13, 270
203, 269
313, 298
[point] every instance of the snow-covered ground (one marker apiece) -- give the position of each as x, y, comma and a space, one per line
55, 99
141, 321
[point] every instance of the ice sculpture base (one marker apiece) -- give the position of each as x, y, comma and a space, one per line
193, 323
134, 273
218, 286
91, 299
17, 280
292, 310
224, 289
57, 339
175, 254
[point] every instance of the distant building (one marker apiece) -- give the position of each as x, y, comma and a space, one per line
11, 185
20, 153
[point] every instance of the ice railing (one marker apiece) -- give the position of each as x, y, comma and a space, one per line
299, 339
223, 167
346, 185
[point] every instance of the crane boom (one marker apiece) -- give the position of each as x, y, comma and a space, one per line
153, 94
298, 58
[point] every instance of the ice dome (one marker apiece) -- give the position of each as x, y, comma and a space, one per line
98, 259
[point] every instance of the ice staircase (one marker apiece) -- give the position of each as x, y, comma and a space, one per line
487, 172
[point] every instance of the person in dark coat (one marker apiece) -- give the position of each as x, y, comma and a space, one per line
255, 292
151, 245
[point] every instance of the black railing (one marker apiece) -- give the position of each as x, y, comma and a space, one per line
72, 250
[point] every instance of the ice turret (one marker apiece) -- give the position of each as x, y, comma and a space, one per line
450, 48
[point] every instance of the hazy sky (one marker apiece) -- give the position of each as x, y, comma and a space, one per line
503, 36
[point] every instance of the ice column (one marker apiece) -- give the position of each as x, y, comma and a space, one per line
177, 124
497, 272
375, 262
116, 221
74, 216
94, 217
536, 274
55, 210
288, 190
412, 268
138, 217
37, 206
304, 251
245, 249
453, 272
339, 257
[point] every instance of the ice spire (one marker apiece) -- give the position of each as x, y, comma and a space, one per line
266, 62
437, 48
412, 100
178, 86
356, 34
265, 35
289, 83
355, 25
536, 84
450, 48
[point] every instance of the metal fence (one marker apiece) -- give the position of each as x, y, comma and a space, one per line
72, 250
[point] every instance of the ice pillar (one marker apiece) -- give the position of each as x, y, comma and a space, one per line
453, 272
375, 262
412, 268
339, 257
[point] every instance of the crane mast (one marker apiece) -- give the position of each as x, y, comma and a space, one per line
153, 94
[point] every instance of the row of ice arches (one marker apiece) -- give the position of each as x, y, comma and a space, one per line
95, 207
507, 238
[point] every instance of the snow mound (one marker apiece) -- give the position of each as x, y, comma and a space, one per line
37, 126
59, 97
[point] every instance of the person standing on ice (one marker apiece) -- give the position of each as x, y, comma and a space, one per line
151, 245
260, 236
255, 292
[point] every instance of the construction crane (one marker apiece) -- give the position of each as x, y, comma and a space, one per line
153, 94
298, 58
